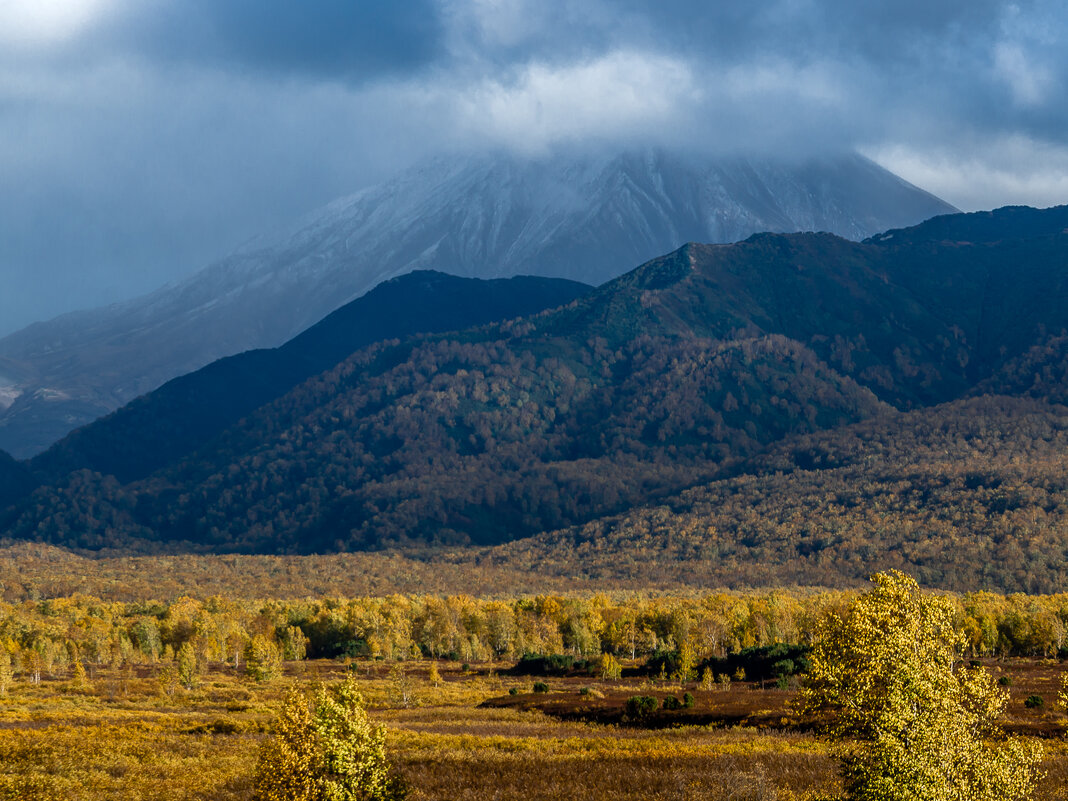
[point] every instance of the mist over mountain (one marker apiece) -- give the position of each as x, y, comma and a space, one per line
569, 215
679, 373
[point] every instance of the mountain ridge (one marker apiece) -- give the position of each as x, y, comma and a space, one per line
129, 444
15, 480
569, 215
663, 379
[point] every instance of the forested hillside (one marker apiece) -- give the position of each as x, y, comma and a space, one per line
459, 442
161, 427
674, 375
968, 495
15, 480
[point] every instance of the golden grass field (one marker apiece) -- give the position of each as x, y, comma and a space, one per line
128, 735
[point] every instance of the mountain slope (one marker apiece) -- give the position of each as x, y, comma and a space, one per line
185, 413
454, 441
998, 225
965, 496
570, 215
15, 480
668, 377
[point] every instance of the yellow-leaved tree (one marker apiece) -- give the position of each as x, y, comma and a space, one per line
263, 659
326, 749
912, 723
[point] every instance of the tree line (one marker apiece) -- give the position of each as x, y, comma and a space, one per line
49, 638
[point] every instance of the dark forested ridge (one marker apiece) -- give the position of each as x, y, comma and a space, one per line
1000, 225
679, 374
159, 428
15, 480
450, 442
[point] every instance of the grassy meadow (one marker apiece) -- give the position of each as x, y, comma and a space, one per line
93, 706
132, 733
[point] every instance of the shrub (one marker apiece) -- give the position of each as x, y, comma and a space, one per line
220, 726
293, 643
78, 678
513, 691
1034, 702
401, 686
762, 663
541, 687
707, 679
640, 707
671, 702
188, 666
352, 649
326, 750
552, 665
678, 664
1005, 681
609, 668
783, 668
687, 700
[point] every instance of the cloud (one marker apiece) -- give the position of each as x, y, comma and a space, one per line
619, 95
328, 40
1027, 82
117, 180
1014, 170
39, 23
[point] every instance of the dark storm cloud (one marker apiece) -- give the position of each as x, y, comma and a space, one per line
338, 39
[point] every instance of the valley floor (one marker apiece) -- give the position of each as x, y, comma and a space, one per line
128, 733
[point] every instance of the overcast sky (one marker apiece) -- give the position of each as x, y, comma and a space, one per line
141, 139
